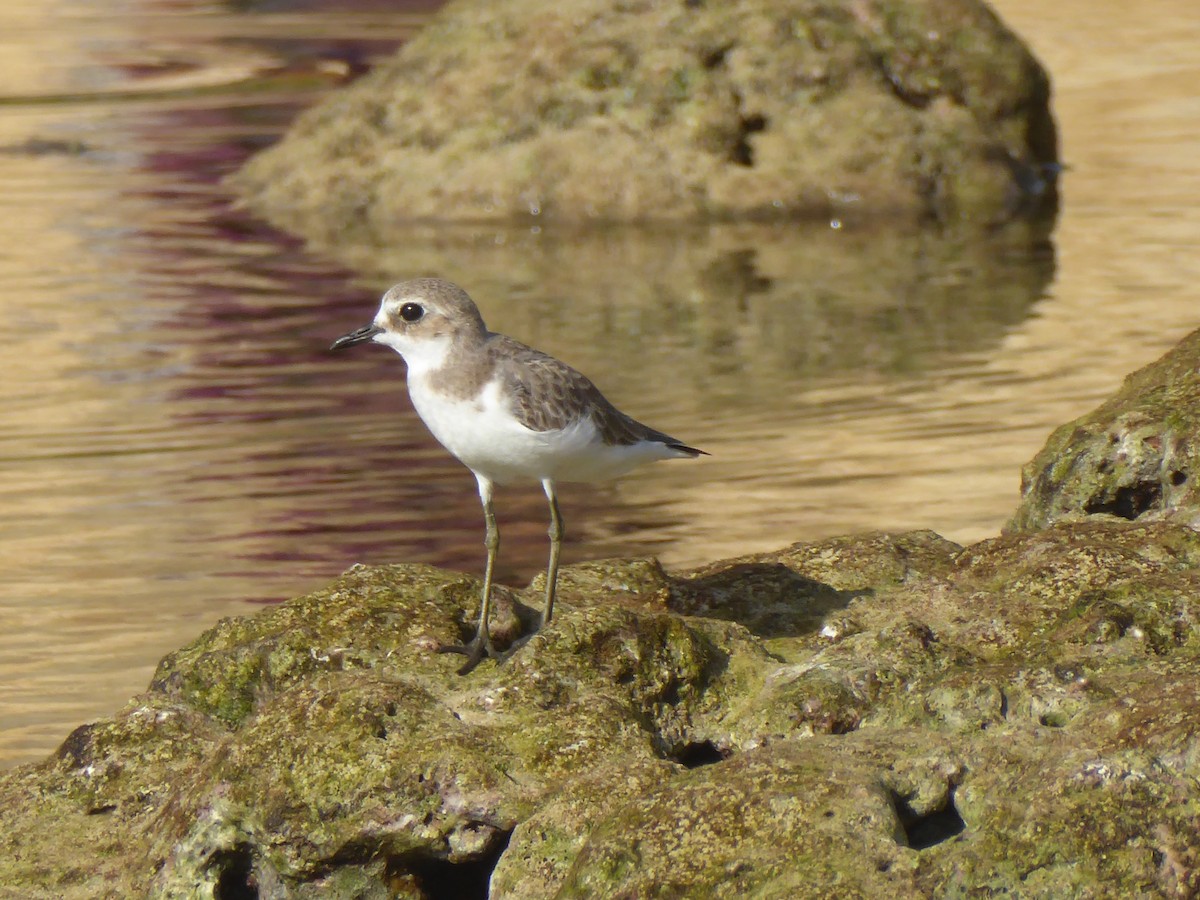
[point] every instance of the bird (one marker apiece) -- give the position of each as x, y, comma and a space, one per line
509, 413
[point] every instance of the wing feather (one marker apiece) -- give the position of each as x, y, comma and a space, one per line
549, 395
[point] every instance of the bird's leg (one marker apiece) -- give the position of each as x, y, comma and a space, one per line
556, 536
481, 645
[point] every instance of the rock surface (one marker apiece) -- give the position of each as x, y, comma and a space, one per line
535, 110
887, 715
1137, 456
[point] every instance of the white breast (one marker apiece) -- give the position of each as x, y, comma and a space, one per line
483, 433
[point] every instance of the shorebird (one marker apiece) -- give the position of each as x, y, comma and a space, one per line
508, 412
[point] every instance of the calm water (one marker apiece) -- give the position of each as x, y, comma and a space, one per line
176, 444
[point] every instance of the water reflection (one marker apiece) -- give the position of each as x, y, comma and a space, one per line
124, 525
748, 311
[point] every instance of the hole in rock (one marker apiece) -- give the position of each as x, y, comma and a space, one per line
715, 56
931, 829
440, 879
697, 754
1178, 478
742, 153
236, 880
1130, 501
670, 694
1054, 719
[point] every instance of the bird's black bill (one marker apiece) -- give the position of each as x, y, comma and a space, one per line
361, 336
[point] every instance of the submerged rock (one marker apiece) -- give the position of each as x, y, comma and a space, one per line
888, 715
1135, 457
535, 110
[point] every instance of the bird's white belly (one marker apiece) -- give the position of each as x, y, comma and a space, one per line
485, 436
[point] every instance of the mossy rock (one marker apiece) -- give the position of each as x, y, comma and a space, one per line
1135, 457
886, 715
593, 111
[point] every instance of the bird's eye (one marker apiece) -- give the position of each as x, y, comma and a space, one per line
411, 312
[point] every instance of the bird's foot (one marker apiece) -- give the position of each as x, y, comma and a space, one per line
476, 651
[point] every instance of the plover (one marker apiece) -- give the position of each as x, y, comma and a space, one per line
507, 412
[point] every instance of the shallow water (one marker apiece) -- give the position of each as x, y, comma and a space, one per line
176, 444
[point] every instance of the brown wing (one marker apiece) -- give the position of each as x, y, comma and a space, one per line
548, 395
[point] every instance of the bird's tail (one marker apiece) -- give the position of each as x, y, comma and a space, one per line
685, 449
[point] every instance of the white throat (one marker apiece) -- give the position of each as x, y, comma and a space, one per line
423, 355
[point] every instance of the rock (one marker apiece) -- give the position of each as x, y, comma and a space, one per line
1135, 457
593, 111
886, 715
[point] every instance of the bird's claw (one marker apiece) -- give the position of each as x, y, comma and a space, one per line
476, 651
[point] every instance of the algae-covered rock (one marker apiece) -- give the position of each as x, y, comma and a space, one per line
887, 715
1137, 456
534, 110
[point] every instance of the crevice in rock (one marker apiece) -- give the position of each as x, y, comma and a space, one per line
713, 57
924, 831
670, 693
1054, 719
235, 874
1178, 478
903, 92
1130, 501
741, 152
695, 754
441, 879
